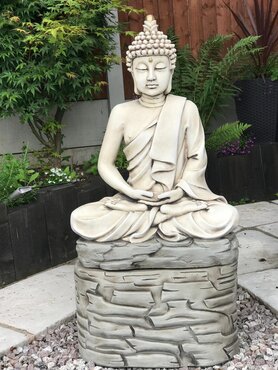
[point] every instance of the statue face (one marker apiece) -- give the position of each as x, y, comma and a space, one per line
151, 74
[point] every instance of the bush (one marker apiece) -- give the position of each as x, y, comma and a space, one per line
52, 53
208, 80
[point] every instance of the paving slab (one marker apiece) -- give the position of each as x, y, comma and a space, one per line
270, 229
257, 251
10, 338
274, 201
263, 285
39, 302
255, 214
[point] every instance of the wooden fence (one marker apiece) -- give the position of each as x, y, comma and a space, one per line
193, 21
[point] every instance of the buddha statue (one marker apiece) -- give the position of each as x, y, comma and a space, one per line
166, 194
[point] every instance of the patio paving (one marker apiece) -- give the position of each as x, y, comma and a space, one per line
33, 305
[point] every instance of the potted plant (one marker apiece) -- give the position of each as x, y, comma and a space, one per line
257, 102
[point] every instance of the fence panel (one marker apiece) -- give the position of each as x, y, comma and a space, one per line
193, 21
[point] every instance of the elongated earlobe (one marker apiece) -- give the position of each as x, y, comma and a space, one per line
136, 91
169, 87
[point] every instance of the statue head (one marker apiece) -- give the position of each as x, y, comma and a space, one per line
151, 60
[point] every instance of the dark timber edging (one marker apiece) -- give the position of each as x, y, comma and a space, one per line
37, 236
253, 176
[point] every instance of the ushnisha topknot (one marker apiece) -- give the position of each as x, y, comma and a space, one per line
151, 42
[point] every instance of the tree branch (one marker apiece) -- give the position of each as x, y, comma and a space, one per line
38, 135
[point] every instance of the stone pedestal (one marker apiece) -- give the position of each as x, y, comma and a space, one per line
157, 304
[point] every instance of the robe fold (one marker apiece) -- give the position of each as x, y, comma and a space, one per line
168, 153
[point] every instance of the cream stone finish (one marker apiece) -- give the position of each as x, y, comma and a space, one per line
170, 317
166, 194
156, 277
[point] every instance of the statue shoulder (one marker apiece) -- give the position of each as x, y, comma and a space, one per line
189, 106
121, 114
126, 107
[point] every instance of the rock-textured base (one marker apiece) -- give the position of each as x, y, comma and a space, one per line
161, 317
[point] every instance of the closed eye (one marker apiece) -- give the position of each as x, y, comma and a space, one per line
160, 66
141, 67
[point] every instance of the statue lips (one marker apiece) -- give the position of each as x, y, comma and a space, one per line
152, 86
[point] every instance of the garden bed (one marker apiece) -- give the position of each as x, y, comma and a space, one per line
38, 236
250, 177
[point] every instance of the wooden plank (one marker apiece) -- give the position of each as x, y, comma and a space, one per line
181, 22
238, 8
209, 18
269, 160
151, 7
223, 17
29, 239
91, 191
166, 19
133, 22
212, 173
59, 202
196, 26
7, 271
245, 173
136, 20
3, 214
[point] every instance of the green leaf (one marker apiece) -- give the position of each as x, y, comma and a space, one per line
225, 134
33, 177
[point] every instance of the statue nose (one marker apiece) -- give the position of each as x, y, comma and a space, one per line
151, 75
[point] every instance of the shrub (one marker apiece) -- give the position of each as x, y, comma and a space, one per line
208, 80
52, 53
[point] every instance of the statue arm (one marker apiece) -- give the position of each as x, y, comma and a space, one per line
193, 177
108, 154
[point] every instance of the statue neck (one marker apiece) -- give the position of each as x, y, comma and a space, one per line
152, 101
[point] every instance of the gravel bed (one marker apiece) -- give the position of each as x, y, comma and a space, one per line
58, 349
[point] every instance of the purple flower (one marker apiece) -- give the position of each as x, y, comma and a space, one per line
241, 146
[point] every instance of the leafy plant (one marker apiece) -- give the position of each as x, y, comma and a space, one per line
90, 166
226, 134
208, 80
15, 172
53, 53
261, 21
58, 176
121, 161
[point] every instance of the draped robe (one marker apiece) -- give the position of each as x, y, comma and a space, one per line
168, 152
